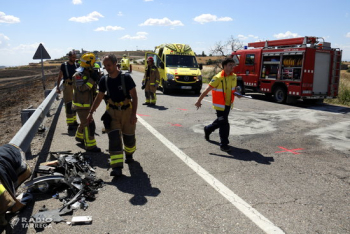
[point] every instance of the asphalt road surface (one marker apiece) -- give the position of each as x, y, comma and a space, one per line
288, 171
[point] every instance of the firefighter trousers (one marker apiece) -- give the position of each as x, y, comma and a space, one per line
150, 93
71, 117
121, 132
222, 124
86, 131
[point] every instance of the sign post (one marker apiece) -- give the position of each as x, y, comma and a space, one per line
41, 53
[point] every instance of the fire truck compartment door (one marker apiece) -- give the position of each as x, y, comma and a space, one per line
321, 73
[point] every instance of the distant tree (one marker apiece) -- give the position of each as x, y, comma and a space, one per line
224, 48
219, 48
234, 44
203, 54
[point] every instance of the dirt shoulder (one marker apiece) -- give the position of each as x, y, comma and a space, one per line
13, 101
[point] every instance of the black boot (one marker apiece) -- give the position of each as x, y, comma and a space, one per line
225, 148
116, 172
129, 159
94, 150
206, 134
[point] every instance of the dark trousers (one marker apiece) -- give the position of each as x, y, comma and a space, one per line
222, 123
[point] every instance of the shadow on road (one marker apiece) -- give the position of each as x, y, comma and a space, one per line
161, 108
138, 184
244, 155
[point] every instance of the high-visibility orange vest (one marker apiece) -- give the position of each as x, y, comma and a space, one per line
219, 92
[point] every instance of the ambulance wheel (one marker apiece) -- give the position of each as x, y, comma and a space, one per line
165, 89
280, 95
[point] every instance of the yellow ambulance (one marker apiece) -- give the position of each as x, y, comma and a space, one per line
178, 67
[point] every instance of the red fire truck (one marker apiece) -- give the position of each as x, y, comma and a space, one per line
290, 69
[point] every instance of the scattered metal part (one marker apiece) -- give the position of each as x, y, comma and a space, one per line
74, 182
81, 220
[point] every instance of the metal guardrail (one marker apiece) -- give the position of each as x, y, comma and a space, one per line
25, 135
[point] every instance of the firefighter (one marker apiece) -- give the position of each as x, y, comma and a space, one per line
84, 84
13, 172
223, 87
67, 70
120, 116
150, 82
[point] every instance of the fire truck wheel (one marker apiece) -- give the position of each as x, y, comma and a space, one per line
280, 95
241, 85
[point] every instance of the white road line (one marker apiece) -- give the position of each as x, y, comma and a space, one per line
233, 108
262, 222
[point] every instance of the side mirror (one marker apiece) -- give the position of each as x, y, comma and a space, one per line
200, 66
161, 64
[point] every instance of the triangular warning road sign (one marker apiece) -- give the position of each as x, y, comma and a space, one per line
41, 53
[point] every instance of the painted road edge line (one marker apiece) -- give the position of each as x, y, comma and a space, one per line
210, 102
262, 222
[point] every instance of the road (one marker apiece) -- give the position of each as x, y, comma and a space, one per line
288, 171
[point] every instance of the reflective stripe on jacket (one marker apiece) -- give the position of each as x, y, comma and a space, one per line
84, 89
219, 92
153, 78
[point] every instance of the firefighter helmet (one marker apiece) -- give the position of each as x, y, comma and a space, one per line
87, 60
150, 59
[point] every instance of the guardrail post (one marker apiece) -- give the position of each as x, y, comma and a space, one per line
46, 93
25, 115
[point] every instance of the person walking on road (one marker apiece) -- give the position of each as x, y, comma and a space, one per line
67, 70
223, 87
120, 116
84, 84
150, 82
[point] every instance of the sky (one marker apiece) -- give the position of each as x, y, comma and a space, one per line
118, 25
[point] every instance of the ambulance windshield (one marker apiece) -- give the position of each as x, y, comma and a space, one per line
184, 61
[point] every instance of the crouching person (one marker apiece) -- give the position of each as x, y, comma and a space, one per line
120, 116
13, 172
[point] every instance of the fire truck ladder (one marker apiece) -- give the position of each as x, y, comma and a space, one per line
302, 41
335, 70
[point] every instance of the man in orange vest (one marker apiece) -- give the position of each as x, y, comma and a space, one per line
223, 87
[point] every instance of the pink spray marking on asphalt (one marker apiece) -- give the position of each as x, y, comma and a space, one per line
288, 150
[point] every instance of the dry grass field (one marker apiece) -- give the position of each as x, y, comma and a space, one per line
344, 90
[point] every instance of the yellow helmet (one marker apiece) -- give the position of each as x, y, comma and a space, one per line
87, 60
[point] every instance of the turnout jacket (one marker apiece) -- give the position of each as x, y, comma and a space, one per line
84, 87
153, 77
